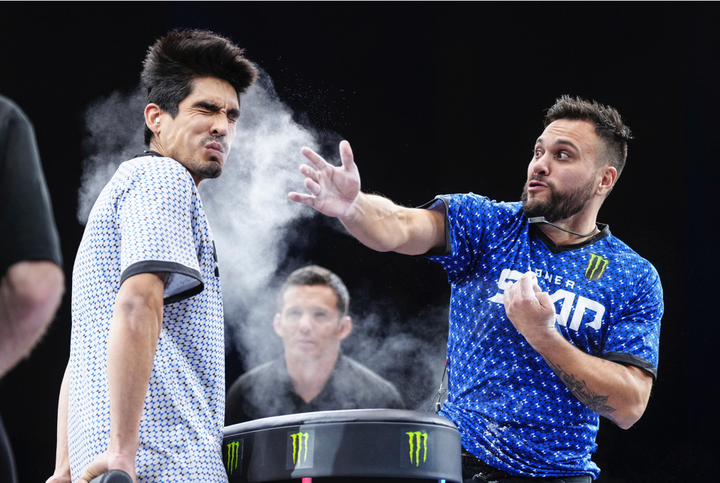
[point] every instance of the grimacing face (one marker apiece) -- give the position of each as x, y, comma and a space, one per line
563, 173
309, 323
200, 136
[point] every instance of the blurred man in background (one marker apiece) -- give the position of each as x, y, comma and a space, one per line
312, 375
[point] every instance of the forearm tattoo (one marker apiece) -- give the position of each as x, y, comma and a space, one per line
580, 390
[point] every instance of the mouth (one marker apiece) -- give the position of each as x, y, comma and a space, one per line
535, 186
216, 147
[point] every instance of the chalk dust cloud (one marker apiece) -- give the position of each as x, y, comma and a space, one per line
255, 226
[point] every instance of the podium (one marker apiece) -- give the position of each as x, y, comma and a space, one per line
350, 445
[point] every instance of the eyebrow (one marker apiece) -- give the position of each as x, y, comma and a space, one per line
560, 141
209, 106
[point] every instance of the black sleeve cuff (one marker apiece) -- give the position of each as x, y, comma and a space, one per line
440, 205
631, 360
184, 283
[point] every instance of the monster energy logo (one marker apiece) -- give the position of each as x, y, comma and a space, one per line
418, 444
596, 267
300, 447
233, 456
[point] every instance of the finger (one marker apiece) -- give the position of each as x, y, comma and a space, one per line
545, 300
309, 172
346, 156
528, 284
313, 187
509, 294
314, 158
534, 279
302, 198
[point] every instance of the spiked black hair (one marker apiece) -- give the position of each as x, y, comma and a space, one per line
176, 60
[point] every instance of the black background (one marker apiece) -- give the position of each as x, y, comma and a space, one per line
435, 98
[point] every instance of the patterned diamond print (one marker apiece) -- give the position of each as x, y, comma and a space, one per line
511, 408
150, 212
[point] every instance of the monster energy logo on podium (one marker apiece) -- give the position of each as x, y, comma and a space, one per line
596, 267
418, 446
300, 450
233, 456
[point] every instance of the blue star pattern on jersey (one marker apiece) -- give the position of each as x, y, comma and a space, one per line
149, 218
513, 411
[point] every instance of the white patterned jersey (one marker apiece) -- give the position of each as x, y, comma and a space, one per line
149, 218
513, 411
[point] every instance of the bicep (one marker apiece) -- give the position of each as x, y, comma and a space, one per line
425, 231
141, 291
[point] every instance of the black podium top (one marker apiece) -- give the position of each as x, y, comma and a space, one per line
358, 443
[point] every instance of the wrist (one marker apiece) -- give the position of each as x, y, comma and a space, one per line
353, 212
547, 341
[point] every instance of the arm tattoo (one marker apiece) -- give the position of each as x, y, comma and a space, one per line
580, 390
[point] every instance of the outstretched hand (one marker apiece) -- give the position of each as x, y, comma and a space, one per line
333, 190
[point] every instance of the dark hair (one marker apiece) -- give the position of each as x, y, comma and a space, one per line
316, 275
608, 125
176, 60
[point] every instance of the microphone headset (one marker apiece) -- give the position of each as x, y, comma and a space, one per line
541, 219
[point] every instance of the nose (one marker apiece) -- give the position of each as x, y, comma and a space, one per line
540, 166
220, 125
305, 324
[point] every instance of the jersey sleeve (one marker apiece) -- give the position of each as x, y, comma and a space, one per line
155, 215
26, 218
470, 221
634, 338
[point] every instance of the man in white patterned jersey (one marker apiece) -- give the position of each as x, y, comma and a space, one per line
553, 321
144, 390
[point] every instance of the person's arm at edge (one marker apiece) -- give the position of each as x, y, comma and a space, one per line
616, 391
30, 293
134, 332
375, 221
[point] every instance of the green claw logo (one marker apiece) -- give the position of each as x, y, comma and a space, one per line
596, 267
300, 446
233, 452
418, 440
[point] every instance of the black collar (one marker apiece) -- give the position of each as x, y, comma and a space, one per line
149, 152
555, 249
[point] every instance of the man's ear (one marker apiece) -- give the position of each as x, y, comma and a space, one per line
609, 176
277, 326
345, 327
153, 117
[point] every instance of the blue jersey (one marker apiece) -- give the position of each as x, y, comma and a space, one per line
513, 411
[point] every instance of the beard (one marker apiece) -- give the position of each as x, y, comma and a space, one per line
207, 169
560, 206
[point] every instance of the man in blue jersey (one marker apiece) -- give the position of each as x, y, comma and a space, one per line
144, 389
553, 321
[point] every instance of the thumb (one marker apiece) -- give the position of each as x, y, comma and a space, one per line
544, 299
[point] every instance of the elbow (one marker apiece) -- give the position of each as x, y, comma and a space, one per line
631, 414
36, 289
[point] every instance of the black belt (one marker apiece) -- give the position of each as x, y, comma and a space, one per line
489, 473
